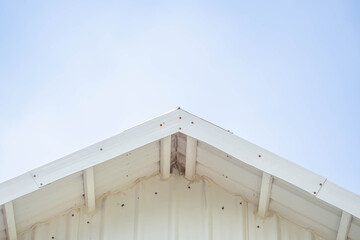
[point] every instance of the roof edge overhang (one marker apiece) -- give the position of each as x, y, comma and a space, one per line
191, 125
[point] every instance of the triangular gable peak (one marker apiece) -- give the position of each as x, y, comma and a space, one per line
179, 141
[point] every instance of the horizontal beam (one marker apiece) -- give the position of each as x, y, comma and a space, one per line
190, 163
265, 193
344, 226
10, 221
89, 188
165, 157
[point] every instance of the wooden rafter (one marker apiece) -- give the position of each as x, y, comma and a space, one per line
165, 157
265, 194
191, 151
10, 221
89, 188
344, 226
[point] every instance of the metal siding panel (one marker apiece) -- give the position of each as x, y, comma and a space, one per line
354, 231
228, 183
226, 167
48, 201
157, 209
125, 169
301, 220
2, 223
309, 208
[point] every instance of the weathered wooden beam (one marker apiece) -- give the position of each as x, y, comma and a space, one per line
10, 221
89, 188
191, 152
265, 194
165, 157
344, 226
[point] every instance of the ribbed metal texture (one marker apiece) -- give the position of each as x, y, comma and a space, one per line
171, 209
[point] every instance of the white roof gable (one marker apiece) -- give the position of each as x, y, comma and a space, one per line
255, 165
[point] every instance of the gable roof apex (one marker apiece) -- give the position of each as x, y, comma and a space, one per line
182, 121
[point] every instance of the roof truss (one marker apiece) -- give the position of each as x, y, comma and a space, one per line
196, 129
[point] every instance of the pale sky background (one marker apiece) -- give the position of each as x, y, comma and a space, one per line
284, 75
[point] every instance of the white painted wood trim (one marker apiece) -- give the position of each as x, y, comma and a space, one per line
145, 133
10, 221
191, 154
344, 226
165, 157
89, 188
340, 198
191, 125
250, 153
265, 194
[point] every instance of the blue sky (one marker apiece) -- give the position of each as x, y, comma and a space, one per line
282, 74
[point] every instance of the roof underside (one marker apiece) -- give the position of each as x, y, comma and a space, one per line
182, 144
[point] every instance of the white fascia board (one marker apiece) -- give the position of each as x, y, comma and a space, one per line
340, 198
126, 141
250, 153
269, 162
17, 187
